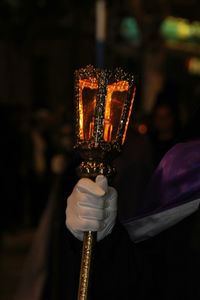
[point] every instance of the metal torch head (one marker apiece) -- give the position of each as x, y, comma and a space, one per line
104, 101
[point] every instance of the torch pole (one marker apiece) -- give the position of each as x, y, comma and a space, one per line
90, 169
86, 262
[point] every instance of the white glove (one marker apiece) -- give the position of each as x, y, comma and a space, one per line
92, 206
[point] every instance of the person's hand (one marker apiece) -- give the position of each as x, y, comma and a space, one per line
92, 206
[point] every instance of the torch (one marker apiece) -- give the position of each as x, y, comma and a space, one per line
104, 101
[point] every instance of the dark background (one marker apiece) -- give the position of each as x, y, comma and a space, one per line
42, 42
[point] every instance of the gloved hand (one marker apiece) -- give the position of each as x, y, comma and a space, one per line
92, 206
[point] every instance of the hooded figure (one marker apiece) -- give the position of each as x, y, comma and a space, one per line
155, 254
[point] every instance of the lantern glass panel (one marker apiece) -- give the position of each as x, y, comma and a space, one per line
87, 104
117, 93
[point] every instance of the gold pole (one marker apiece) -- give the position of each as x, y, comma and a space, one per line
88, 245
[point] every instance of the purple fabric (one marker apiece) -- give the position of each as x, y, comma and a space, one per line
175, 181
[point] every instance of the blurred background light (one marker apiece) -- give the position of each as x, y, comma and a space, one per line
129, 30
194, 65
180, 29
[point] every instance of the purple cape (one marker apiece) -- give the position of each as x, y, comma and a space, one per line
175, 181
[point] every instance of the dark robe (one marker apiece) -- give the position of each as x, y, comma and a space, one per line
165, 266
